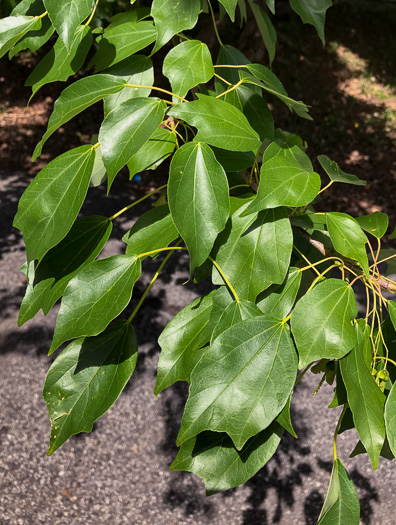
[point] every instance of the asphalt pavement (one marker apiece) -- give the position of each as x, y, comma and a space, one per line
119, 474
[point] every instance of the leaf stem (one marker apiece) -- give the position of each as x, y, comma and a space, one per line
140, 256
327, 186
302, 374
379, 358
92, 14
306, 260
336, 431
214, 24
96, 145
231, 89
157, 89
321, 275
383, 260
228, 65
225, 279
147, 290
223, 79
43, 15
135, 203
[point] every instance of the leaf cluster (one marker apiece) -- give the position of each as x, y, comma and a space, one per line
241, 199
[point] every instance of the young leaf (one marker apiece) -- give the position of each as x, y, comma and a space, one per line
312, 12
95, 296
86, 379
153, 230
342, 503
14, 28
50, 204
137, 70
157, 149
230, 7
67, 16
242, 251
188, 65
184, 336
198, 199
376, 223
321, 322
284, 419
365, 399
99, 173
266, 29
76, 98
242, 382
126, 129
235, 312
122, 40
47, 282
218, 123
278, 300
172, 16
59, 63
284, 182
348, 237
336, 174
390, 419
213, 457
34, 39
264, 78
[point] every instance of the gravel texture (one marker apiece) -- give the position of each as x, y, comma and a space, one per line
119, 473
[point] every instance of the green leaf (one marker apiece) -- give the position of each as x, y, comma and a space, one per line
99, 173
28, 7
172, 16
230, 7
277, 301
390, 419
50, 204
184, 336
321, 322
234, 161
284, 419
235, 312
376, 223
47, 281
188, 65
336, 174
348, 238
264, 78
95, 296
76, 98
255, 109
266, 29
365, 399
218, 123
66, 17
153, 230
198, 199
242, 251
122, 40
294, 154
14, 28
271, 5
312, 12
35, 38
242, 382
283, 182
124, 131
342, 503
86, 379
213, 457
392, 312
157, 149
137, 70
59, 63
